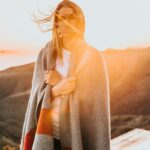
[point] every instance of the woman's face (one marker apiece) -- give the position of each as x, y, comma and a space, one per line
68, 24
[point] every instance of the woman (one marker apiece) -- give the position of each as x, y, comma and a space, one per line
78, 86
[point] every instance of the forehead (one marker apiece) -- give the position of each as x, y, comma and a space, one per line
65, 11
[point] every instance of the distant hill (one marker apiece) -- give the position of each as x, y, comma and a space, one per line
15, 85
129, 76
9, 52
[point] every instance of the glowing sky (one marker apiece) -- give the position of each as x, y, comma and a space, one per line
109, 23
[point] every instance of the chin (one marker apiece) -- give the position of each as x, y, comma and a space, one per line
67, 37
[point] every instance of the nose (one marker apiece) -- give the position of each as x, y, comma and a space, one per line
61, 27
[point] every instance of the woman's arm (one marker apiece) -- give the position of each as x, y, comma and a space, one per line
54, 93
65, 86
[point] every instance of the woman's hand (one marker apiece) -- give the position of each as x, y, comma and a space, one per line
65, 86
52, 77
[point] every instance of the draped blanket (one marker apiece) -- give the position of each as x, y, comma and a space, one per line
84, 113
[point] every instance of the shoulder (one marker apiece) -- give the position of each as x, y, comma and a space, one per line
95, 53
99, 58
96, 57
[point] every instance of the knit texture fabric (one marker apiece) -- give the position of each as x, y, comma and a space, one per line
84, 113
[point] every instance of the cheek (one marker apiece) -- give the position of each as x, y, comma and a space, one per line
63, 28
76, 24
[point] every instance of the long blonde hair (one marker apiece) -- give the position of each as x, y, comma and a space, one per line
56, 41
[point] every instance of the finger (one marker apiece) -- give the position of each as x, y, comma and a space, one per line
73, 77
50, 71
47, 76
68, 89
45, 80
66, 92
45, 72
71, 83
72, 88
70, 79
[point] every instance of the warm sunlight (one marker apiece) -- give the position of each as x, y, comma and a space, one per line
74, 75
118, 24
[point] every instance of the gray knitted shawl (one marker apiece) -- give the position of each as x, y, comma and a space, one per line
84, 114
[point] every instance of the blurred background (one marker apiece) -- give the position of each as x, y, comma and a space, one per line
120, 29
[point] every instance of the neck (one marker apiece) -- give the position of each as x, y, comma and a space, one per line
75, 43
